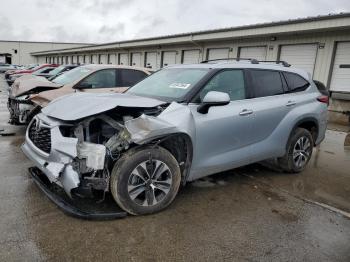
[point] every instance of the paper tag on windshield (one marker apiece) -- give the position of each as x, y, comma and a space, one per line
180, 85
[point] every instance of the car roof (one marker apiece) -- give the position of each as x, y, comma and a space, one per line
103, 66
221, 64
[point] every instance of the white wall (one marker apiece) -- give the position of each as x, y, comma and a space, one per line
25, 48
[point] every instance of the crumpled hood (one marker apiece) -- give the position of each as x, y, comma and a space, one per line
26, 83
79, 105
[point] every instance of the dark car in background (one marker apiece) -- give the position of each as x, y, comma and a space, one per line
56, 71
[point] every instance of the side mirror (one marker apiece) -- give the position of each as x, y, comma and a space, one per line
83, 85
213, 98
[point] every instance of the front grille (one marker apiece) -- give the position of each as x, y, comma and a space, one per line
40, 136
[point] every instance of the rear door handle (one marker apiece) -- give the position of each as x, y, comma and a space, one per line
245, 112
291, 103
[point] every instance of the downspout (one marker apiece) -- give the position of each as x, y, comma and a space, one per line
198, 45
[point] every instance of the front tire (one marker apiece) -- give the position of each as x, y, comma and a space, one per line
145, 180
299, 151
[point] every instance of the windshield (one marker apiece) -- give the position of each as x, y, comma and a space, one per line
57, 70
35, 68
169, 84
41, 70
71, 75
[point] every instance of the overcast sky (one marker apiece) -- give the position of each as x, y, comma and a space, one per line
98, 21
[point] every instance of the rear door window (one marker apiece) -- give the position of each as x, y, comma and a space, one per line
295, 82
266, 83
129, 77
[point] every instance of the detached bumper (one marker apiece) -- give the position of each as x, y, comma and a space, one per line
71, 207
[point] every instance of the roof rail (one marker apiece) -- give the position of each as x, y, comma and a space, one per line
284, 63
252, 60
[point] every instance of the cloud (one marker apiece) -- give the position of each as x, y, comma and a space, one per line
104, 7
101, 21
113, 32
6, 28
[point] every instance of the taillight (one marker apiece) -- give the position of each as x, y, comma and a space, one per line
323, 99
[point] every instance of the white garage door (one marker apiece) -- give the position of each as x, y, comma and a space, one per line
300, 56
80, 59
86, 59
112, 59
123, 59
218, 53
136, 59
341, 69
169, 58
190, 57
103, 59
94, 59
151, 60
255, 52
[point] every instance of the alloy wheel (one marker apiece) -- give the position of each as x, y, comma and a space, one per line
149, 183
302, 151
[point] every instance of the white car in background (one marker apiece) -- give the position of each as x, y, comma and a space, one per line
6, 67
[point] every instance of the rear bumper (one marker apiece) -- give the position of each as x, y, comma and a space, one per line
70, 207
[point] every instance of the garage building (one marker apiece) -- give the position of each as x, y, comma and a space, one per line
19, 52
320, 45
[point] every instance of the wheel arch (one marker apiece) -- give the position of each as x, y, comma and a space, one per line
180, 145
310, 124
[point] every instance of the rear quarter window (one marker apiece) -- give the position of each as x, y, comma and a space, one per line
266, 83
295, 82
129, 77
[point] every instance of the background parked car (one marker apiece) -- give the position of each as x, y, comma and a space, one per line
23, 67
6, 67
29, 94
44, 70
12, 76
56, 71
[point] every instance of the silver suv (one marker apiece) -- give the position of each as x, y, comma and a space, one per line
182, 123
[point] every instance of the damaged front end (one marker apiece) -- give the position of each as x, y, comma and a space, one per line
21, 109
79, 153
20, 105
79, 156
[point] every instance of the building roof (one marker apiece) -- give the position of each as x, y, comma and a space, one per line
45, 42
316, 23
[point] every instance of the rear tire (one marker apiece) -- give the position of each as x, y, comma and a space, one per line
141, 186
299, 151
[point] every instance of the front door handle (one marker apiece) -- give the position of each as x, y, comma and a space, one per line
291, 103
246, 112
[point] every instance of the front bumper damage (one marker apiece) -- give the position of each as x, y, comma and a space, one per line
20, 110
57, 164
55, 170
74, 208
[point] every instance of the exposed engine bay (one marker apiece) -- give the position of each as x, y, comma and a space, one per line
101, 141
